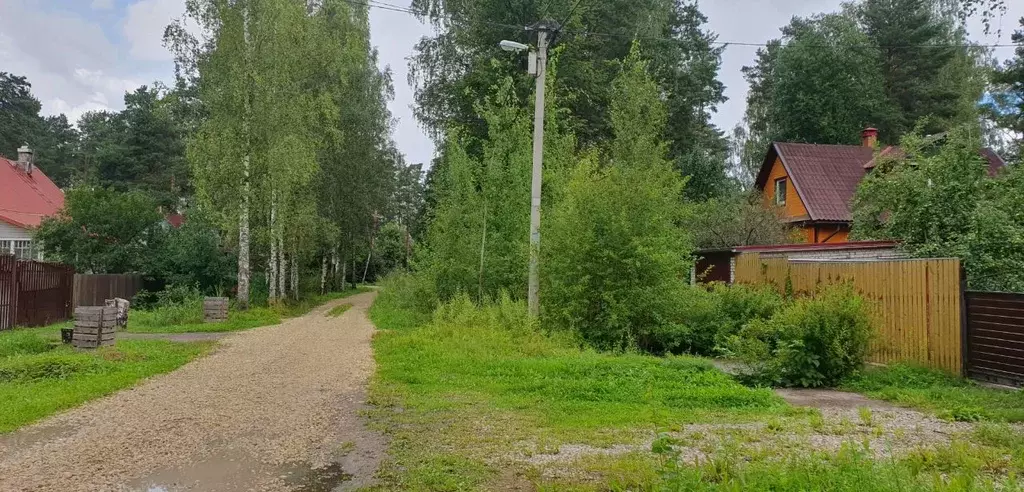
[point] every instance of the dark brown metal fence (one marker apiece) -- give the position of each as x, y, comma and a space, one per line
994, 338
33, 293
94, 290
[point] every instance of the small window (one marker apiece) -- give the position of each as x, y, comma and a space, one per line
780, 191
5, 247
23, 250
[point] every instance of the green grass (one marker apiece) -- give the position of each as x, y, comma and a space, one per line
947, 396
466, 394
39, 377
338, 310
475, 381
189, 318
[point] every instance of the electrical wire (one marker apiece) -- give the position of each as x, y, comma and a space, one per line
397, 8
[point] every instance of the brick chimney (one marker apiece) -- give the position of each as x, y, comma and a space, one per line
869, 137
25, 157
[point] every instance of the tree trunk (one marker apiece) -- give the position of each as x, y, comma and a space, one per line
295, 276
344, 270
283, 264
272, 267
323, 274
243, 215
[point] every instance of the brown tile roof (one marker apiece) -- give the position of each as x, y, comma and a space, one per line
826, 176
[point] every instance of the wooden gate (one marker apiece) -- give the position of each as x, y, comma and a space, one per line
994, 341
33, 293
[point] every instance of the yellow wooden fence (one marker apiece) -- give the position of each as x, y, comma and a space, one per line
916, 303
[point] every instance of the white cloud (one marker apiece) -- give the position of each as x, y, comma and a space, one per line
102, 4
144, 28
72, 66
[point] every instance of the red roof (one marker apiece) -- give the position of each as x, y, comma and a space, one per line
818, 246
826, 176
25, 199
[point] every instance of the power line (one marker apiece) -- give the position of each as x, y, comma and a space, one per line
396, 8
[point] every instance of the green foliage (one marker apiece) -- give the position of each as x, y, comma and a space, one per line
478, 240
812, 342
461, 65
737, 220
194, 255
879, 63
948, 396
103, 231
140, 148
614, 255
928, 74
36, 384
940, 202
707, 318
19, 113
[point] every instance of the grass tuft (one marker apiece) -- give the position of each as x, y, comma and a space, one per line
338, 310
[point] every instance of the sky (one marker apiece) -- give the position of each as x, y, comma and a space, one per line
82, 55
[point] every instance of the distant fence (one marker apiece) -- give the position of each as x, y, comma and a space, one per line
33, 293
995, 337
917, 303
95, 289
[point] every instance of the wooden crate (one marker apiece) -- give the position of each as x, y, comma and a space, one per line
94, 327
215, 309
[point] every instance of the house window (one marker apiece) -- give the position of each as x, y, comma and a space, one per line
5, 247
23, 250
780, 191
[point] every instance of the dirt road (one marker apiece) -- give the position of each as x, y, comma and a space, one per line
275, 408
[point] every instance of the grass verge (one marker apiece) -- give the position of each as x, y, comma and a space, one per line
191, 320
949, 397
39, 377
474, 384
477, 398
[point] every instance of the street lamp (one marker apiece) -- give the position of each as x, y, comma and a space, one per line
513, 46
538, 68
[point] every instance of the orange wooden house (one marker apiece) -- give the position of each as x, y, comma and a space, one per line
814, 184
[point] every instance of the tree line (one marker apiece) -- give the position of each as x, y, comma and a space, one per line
275, 141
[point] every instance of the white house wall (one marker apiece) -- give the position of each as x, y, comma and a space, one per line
8, 231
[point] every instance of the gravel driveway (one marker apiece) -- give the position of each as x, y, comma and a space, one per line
275, 408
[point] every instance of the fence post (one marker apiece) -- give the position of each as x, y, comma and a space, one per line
965, 349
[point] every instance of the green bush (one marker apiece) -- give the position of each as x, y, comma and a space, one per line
707, 317
810, 343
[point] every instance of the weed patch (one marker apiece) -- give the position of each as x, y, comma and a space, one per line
338, 310
949, 397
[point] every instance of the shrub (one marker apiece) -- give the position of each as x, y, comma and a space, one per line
810, 343
707, 318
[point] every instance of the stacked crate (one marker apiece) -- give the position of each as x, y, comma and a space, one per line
215, 309
94, 326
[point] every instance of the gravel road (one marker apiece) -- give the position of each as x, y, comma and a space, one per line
275, 408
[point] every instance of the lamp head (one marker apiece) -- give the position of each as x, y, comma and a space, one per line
513, 46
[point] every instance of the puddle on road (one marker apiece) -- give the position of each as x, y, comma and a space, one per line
240, 472
324, 479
